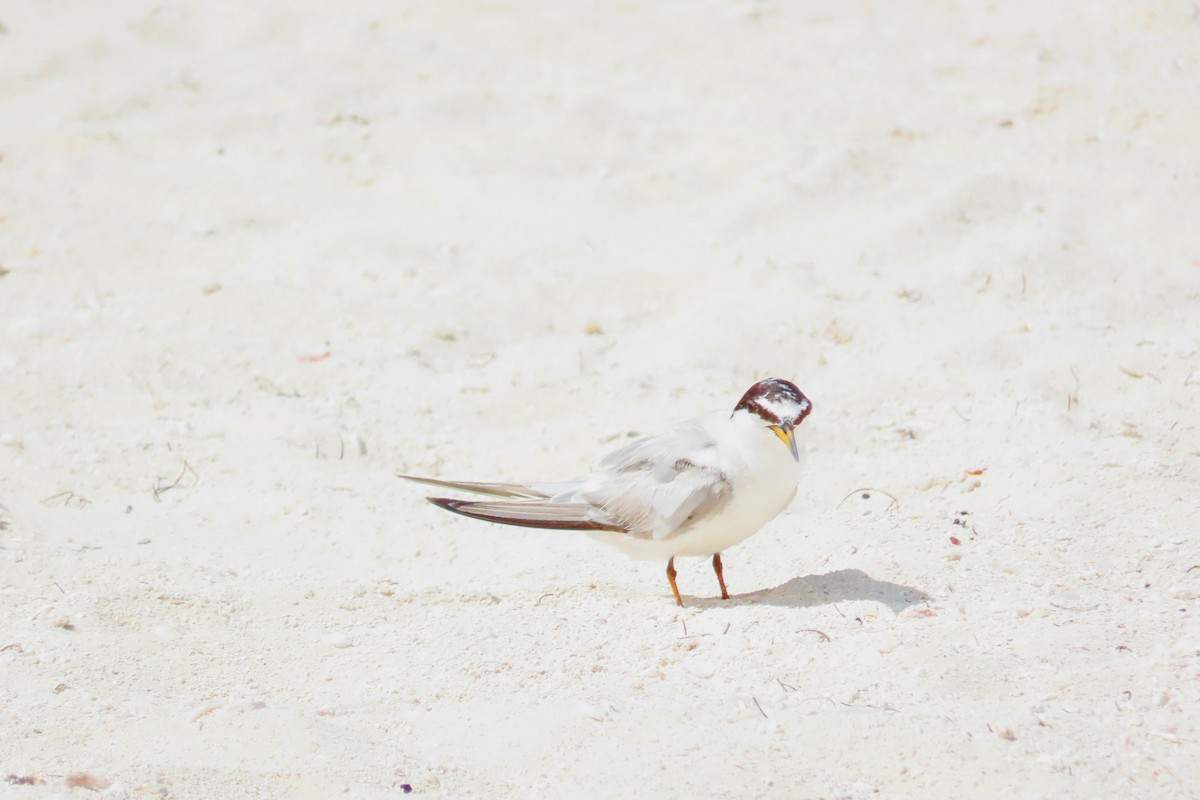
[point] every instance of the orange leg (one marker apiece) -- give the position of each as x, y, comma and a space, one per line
671, 577
717, 568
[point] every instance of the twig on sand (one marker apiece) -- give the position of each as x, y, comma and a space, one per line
67, 498
1073, 397
161, 489
760, 708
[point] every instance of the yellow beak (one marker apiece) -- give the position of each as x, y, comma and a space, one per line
787, 435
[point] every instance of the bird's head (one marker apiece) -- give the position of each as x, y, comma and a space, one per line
780, 406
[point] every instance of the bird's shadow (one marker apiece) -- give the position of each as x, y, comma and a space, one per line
816, 590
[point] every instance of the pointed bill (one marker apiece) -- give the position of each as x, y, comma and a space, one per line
787, 435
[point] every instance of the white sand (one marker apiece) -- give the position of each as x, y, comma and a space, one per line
968, 232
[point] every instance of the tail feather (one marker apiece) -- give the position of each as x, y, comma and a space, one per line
531, 514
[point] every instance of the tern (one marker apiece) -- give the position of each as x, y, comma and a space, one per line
694, 490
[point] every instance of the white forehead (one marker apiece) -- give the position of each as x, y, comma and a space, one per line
782, 407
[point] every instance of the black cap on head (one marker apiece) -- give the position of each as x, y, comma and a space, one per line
776, 401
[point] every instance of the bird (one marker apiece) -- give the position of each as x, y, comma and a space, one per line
693, 490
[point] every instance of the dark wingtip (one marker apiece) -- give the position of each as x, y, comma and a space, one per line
461, 507
447, 503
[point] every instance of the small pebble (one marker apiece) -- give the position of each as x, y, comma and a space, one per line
336, 640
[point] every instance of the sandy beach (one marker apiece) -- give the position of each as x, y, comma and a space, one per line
256, 259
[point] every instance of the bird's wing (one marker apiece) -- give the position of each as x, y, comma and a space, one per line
652, 488
516, 491
658, 486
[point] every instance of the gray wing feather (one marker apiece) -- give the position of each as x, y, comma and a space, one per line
657, 490
521, 491
532, 513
